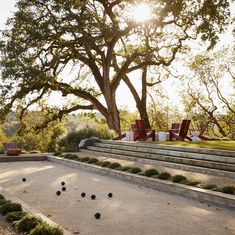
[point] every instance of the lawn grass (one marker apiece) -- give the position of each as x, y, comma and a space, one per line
215, 144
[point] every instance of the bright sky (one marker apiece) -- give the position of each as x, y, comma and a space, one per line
7, 8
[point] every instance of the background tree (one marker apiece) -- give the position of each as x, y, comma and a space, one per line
207, 93
101, 44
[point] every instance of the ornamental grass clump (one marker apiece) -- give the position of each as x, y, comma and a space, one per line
191, 182
209, 186
134, 170
228, 189
28, 223
105, 164
10, 207
57, 153
150, 172
46, 229
178, 178
84, 159
3, 201
15, 216
114, 165
92, 161
125, 168
164, 175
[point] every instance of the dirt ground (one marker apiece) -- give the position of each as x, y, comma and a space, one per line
6, 228
132, 209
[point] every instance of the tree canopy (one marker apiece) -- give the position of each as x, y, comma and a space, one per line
83, 49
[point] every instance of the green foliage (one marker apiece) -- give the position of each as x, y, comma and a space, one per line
114, 165
178, 178
71, 141
3, 201
10, 207
70, 156
93, 161
15, 216
1, 197
46, 229
125, 168
84, 159
28, 223
150, 172
191, 182
58, 153
228, 189
164, 176
105, 164
134, 170
209, 186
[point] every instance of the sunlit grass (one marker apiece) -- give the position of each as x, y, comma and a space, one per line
216, 144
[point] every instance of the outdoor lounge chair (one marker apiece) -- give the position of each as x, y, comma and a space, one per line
183, 131
140, 132
11, 148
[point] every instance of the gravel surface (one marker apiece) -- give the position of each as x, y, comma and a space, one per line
132, 209
6, 228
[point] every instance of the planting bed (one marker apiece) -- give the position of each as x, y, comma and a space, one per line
130, 210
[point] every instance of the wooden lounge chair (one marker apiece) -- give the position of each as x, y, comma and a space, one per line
183, 131
175, 127
11, 148
140, 132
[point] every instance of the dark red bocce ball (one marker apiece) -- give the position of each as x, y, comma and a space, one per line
58, 193
93, 196
62, 183
110, 194
97, 215
23, 179
63, 188
83, 194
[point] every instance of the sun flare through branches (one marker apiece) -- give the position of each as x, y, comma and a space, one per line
141, 12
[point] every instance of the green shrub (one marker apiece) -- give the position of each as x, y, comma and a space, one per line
134, 170
151, 172
105, 164
46, 229
209, 186
3, 201
57, 153
10, 207
164, 176
70, 142
228, 189
191, 182
70, 156
1, 197
15, 216
178, 178
84, 159
114, 165
125, 168
93, 161
27, 223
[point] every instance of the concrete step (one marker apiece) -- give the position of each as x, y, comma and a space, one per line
166, 152
174, 159
156, 163
214, 152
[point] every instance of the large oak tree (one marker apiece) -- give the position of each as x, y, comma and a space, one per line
102, 43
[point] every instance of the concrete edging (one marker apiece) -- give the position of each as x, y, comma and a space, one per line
198, 194
31, 210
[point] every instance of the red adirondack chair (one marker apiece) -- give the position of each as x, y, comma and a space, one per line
140, 131
183, 131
